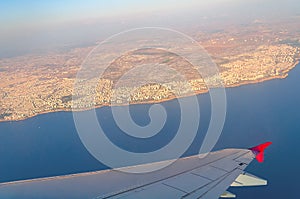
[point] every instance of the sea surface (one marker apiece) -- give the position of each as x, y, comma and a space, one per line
48, 145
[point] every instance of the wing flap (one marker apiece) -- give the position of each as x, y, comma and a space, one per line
246, 180
227, 194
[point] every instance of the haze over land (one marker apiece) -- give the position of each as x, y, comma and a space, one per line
42, 52
60, 25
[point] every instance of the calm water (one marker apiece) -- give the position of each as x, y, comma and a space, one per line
48, 144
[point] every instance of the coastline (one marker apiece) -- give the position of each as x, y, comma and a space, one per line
242, 83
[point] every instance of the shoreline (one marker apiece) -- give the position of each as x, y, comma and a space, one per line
195, 93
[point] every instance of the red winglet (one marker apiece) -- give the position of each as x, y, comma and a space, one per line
259, 151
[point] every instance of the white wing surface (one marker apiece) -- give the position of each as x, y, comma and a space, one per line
191, 177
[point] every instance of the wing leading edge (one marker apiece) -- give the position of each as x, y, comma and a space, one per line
190, 177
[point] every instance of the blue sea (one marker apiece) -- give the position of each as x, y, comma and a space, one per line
48, 145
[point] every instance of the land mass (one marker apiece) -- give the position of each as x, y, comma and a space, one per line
36, 84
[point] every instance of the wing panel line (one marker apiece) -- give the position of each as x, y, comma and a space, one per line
218, 180
144, 185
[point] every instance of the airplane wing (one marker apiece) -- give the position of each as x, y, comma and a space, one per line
190, 177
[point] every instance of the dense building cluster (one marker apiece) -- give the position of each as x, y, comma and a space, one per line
32, 85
